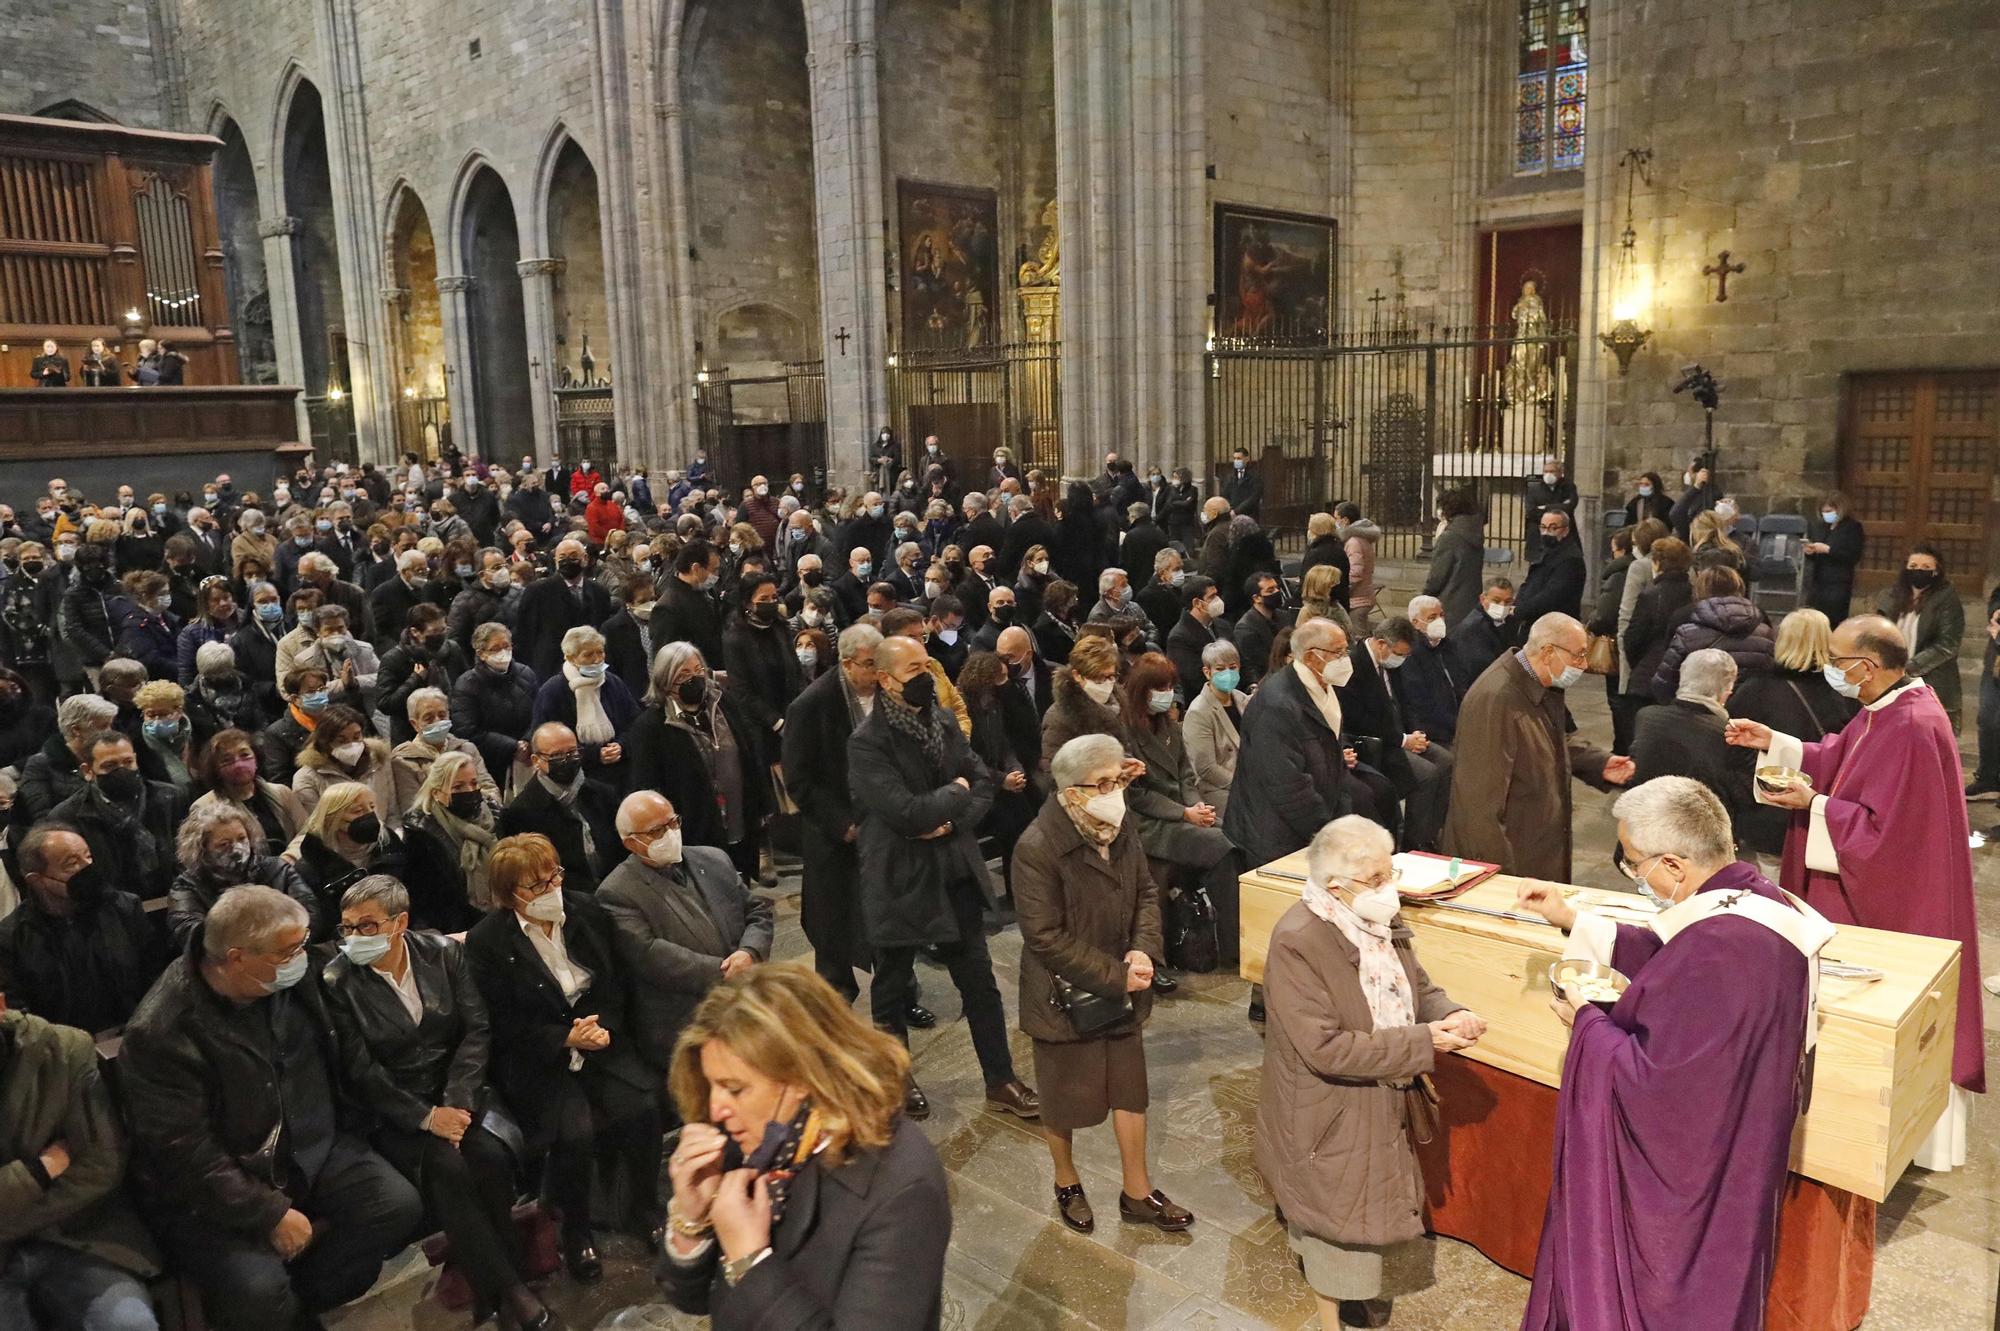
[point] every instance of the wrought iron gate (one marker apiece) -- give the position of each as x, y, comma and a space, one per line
1393, 419
764, 424
976, 399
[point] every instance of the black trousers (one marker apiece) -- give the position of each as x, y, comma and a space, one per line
745, 853
971, 968
601, 1121
362, 1209
1624, 715
468, 1192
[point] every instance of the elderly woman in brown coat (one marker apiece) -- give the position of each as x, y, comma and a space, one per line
1354, 1021
1090, 938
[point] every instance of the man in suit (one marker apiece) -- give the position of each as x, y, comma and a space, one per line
1485, 635
945, 635
1025, 529
1200, 624
851, 587
922, 793
1000, 612
1242, 486
685, 921
1258, 626
975, 587
1143, 541
1417, 767
573, 812
1555, 575
1027, 675
389, 604
981, 527
551, 607
686, 610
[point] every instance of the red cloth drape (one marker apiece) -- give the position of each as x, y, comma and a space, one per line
1486, 1180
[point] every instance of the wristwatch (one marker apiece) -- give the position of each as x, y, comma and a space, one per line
734, 1271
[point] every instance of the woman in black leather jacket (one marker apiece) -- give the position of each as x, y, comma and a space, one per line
413, 1033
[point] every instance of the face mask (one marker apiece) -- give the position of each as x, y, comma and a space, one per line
1003, 615
1177, 577
1239, 467
159, 510
1226, 680
500, 660
335, 643
564, 771
462, 570
231, 860
208, 500
920, 692
349, 754
1040, 568
437, 732
1548, 478
1391, 661
324, 524
240, 771
465, 804
665, 849
1107, 809
874, 510
763, 489
1377, 905
364, 951
692, 690
500, 580
1337, 672
33, 567
365, 829
121, 784
1099, 690
287, 975
1160, 700
863, 569
592, 672
1645, 492
314, 703
1569, 676
812, 577
166, 732
1215, 607
1829, 516
764, 612
808, 657
1271, 600
570, 568
1499, 613
809, 615
1435, 630
949, 637
65, 552
1550, 542
548, 908
1836, 679
1920, 577
933, 590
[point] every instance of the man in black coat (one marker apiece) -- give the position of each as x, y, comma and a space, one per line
1257, 627
1550, 492
530, 503
1555, 575
128, 822
551, 607
1242, 486
77, 951
1029, 676
1160, 598
259, 1184
1291, 774
1143, 540
686, 610
922, 793
479, 508
628, 634
1200, 623
981, 527
851, 587
1417, 770
576, 814
1028, 528
1485, 635
389, 604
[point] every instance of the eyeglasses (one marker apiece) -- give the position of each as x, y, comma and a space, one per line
1110, 785
367, 928
547, 885
563, 757
671, 823
1846, 662
289, 953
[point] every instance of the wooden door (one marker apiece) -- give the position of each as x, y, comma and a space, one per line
1919, 458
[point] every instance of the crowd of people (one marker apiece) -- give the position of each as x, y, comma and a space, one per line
398, 828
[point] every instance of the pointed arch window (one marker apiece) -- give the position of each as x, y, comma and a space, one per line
1550, 86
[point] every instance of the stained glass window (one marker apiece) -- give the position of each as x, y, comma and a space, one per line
1550, 87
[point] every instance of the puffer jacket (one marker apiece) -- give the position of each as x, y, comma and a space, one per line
1331, 1132
1727, 623
196, 890
1359, 537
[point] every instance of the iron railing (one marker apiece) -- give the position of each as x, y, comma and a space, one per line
1394, 418
584, 424
764, 425
976, 399
423, 425
331, 422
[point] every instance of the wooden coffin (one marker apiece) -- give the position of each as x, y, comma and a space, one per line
1884, 1052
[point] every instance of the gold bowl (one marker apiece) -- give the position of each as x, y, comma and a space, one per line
1580, 982
1775, 780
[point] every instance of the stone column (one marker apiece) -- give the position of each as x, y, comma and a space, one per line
677, 300
282, 284
1597, 368
621, 31
395, 300
538, 301
847, 172
455, 313
1130, 144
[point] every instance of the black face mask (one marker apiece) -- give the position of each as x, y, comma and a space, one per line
365, 829
812, 577
692, 690
34, 568
1550, 542
432, 641
920, 692
562, 771
764, 612
1271, 600
86, 885
570, 568
121, 785
1920, 577
1003, 615
466, 804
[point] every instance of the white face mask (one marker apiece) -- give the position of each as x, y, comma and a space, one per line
548, 908
1391, 661
1107, 809
1548, 478
1377, 905
949, 637
500, 660
1435, 630
349, 754
1040, 568
1099, 690
1335, 673
665, 850
1215, 607
1499, 613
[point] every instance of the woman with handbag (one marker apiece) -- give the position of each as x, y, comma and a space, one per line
414, 1026
1355, 1026
1090, 939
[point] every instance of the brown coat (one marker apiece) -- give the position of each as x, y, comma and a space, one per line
1510, 801
1331, 1139
1080, 914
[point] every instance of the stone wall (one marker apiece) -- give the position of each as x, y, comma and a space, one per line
1269, 80
104, 53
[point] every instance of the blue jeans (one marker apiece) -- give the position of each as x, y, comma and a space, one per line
48, 1285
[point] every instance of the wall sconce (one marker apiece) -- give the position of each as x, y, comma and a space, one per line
133, 323
409, 392
336, 393
1627, 336
701, 376
892, 360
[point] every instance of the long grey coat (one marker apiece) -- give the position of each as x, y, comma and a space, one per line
1458, 563
1212, 742
1159, 799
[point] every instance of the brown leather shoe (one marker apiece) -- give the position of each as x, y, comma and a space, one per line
1154, 1209
1014, 1097
1074, 1208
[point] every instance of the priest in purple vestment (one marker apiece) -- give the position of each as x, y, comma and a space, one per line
1881, 838
1675, 1118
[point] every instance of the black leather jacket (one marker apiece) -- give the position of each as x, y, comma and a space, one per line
402, 1071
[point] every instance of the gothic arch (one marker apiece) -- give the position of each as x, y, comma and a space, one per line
290, 81
757, 331
554, 145
486, 231
462, 181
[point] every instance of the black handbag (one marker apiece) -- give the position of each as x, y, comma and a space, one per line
1088, 1013
1191, 940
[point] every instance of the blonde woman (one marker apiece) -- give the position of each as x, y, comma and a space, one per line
447, 836
1794, 697
776, 1069
1318, 598
168, 752
344, 841
1713, 546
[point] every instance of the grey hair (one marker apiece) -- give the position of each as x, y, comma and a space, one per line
1020, 503
859, 641
411, 559
907, 549
84, 711
1549, 627
314, 561
484, 635
121, 669
421, 696
205, 818
1708, 674
626, 821
1349, 848
1675, 815
1082, 756
667, 663
380, 888
1419, 604
976, 502
1315, 635
1109, 579
249, 917
1165, 560
435, 792
213, 657
581, 638
248, 516
1135, 512
1221, 652
260, 585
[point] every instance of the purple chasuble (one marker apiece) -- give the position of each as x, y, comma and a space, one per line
1673, 1128
1895, 812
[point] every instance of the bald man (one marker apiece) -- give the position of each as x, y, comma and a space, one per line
685, 920
1517, 749
576, 814
551, 607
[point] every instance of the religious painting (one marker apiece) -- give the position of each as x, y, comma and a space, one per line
950, 239
1274, 275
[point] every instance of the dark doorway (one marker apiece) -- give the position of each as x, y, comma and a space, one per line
235, 182
1919, 453
315, 250
502, 394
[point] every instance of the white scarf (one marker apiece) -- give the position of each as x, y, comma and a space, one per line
1384, 982
592, 725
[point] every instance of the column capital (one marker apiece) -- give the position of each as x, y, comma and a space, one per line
456, 282
862, 50
668, 110
268, 227
395, 295
540, 267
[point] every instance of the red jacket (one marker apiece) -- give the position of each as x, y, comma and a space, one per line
604, 516
582, 482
